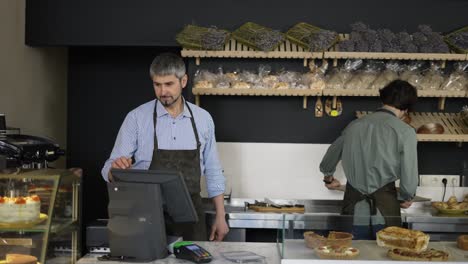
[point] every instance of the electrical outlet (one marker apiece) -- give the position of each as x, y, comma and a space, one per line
436, 180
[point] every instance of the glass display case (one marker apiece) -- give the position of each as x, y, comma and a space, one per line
39, 215
313, 237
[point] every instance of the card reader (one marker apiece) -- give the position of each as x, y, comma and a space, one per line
191, 251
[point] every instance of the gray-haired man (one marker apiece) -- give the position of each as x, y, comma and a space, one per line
171, 133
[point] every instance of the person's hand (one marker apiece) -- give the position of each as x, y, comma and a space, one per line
333, 184
406, 204
119, 163
219, 228
122, 163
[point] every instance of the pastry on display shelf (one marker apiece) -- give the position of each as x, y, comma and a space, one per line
401, 238
20, 209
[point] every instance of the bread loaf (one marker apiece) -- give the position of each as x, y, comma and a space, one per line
402, 238
462, 242
20, 259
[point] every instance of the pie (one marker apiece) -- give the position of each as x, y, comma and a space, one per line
426, 255
334, 252
462, 242
402, 238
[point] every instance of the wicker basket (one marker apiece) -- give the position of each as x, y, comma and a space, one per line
334, 239
247, 34
301, 32
191, 37
454, 47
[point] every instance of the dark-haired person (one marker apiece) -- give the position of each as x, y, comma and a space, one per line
171, 133
375, 151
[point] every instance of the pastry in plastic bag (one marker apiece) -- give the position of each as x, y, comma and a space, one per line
204, 84
204, 79
315, 79
241, 85
433, 78
364, 79
458, 80
281, 85
412, 74
387, 76
340, 77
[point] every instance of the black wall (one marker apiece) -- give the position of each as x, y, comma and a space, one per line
113, 42
155, 22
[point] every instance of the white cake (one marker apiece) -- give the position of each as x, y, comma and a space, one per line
19, 209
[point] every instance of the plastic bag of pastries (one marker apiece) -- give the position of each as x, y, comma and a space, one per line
412, 73
339, 78
433, 78
315, 78
458, 80
386, 76
204, 79
363, 79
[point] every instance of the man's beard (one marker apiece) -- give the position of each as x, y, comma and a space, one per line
166, 100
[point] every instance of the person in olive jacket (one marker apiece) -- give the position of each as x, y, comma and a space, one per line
376, 150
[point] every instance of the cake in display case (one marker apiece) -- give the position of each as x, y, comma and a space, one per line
39, 215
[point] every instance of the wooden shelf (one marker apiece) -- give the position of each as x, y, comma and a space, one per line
441, 93
369, 92
395, 56
257, 92
234, 49
455, 129
289, 50
350, 92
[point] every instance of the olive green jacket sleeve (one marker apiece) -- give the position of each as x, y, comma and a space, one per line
409, 166
332, 157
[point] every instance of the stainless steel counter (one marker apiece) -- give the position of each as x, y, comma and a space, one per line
325, 215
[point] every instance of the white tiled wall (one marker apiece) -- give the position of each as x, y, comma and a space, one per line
274, 170
288, 171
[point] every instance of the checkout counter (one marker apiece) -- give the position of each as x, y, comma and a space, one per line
320, 215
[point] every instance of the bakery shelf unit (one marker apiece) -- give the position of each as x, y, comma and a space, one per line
289, 50
454, 128
55, 235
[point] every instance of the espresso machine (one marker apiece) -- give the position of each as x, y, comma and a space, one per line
25, 151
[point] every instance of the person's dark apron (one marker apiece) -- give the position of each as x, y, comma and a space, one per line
188, 163
384, 199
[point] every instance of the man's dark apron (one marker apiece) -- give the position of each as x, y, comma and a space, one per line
384, 199
188, 163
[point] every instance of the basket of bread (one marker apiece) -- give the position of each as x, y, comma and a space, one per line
452, 206
337, 245
409, 245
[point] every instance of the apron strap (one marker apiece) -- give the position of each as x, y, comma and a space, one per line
194, 126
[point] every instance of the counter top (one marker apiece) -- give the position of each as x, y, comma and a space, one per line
269, 250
